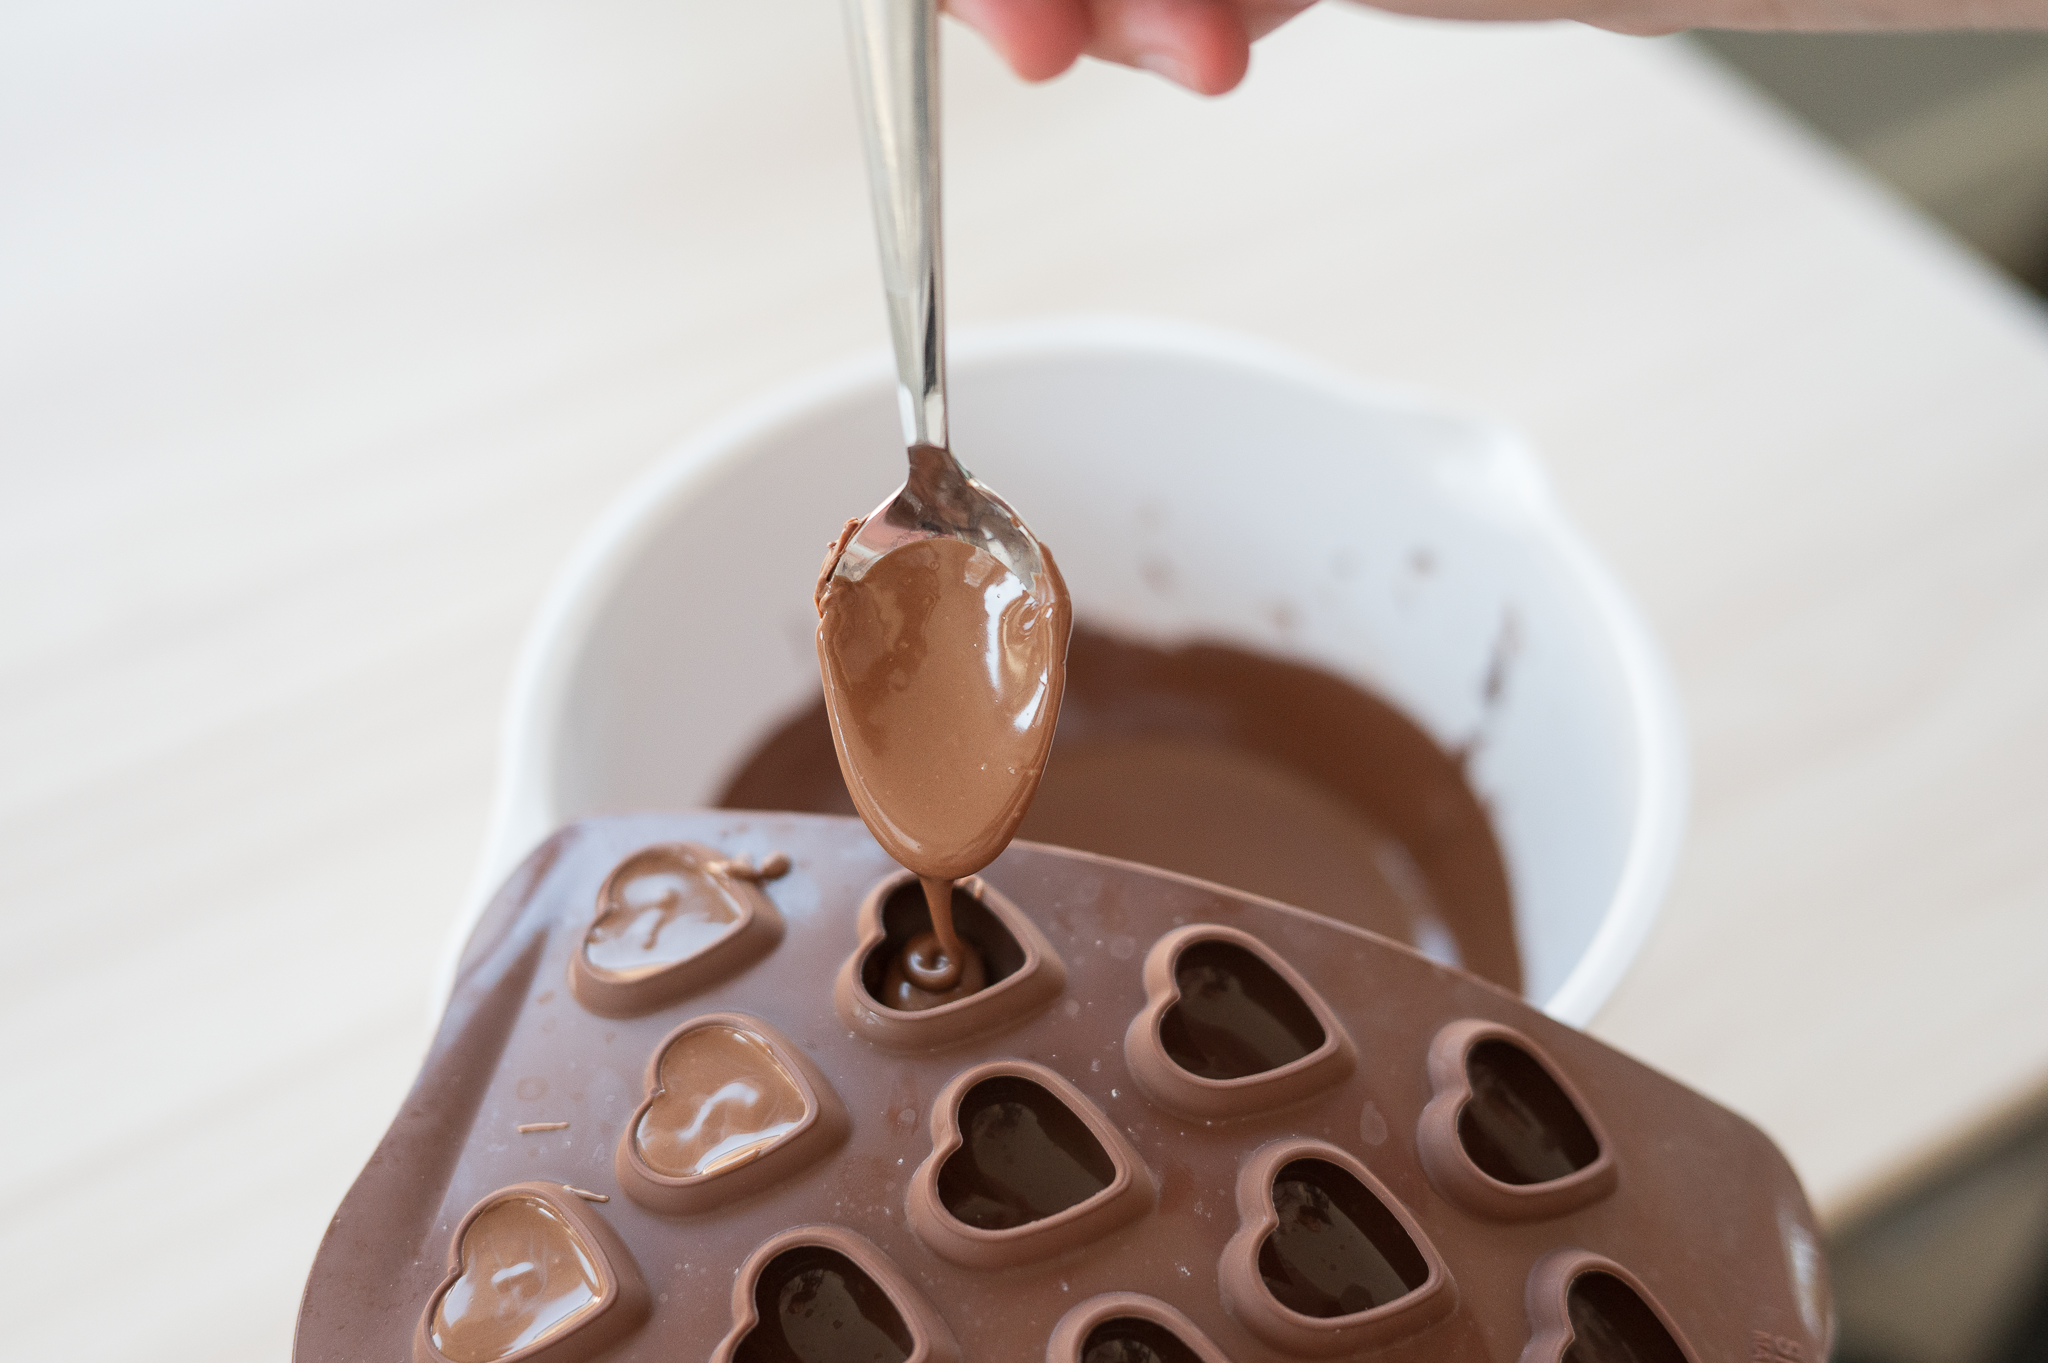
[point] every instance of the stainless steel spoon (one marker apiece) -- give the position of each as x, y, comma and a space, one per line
895, 47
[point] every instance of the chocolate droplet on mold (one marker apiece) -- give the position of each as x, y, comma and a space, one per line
1337, 1249
526, 1276
1611, 1324
817, 1306
1235, 1016
1133, 1339
724, 1100
1519, 1126
1024, 1156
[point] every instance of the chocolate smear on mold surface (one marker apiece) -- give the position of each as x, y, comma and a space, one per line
526, 1276
1268, 776
943, 673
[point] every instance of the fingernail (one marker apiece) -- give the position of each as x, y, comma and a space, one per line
1168, 65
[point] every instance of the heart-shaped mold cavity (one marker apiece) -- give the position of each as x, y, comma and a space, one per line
1230, 1029
1325, 1260
1020, 972
1506, 1135
531, 1276
1337, 1250
815, 1305
1023, 1166
724, 1099
1024, 1156
1519, 1126
668, 920
1235, 1016
1134, 1339
526, 1275
660, 906
906, 915
1611, 1324
732, 1107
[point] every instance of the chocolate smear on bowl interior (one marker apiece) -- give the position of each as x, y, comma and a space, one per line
943, 673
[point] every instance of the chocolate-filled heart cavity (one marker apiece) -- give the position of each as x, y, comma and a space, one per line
724, 1099
669, 920
1506, 1135
531, 1277
732, 1107
1023, 1165
1129, 1327
822, 1294
1021, 971
1325, 1260
1584, 1308
1229, 1028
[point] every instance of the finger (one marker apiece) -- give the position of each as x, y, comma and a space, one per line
1038, 38
1263, 16
1201, 44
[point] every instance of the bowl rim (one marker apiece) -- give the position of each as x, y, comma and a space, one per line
529, 744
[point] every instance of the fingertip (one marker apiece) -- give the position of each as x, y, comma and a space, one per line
1200, 44
1038, 39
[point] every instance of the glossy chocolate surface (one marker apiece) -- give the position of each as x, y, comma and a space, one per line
525, 1277
1704, 1213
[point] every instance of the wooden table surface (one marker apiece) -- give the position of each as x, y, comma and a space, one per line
327, 329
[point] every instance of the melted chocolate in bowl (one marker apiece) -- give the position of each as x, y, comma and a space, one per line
525, 1276
943, 672
1267, 776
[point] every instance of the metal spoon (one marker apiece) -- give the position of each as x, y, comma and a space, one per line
895, 47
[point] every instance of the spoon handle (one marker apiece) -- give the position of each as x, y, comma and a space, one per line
895, 48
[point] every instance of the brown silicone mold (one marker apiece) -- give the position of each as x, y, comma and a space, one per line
523, 1080
1024, 972
818, 1127
1268, 1038
726, 888
1250, 1277
1077, 1331
1574, 1293
1522, 1145
1033, 1170
619, 1303
821, 1296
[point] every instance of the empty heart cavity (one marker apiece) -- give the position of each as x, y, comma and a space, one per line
1024, 1156
815, 1305
724, 1099
661, 906
1133, 1339
1337, 1250
526, 1276
1611, 1324
1519, 1126
1235, 1015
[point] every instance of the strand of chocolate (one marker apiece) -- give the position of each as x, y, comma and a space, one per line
943, 674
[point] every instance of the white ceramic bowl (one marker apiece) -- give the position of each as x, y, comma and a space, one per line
1194, 485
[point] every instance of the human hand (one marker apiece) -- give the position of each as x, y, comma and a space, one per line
1206, 44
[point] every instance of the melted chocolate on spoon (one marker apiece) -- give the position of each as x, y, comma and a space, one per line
943, 673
